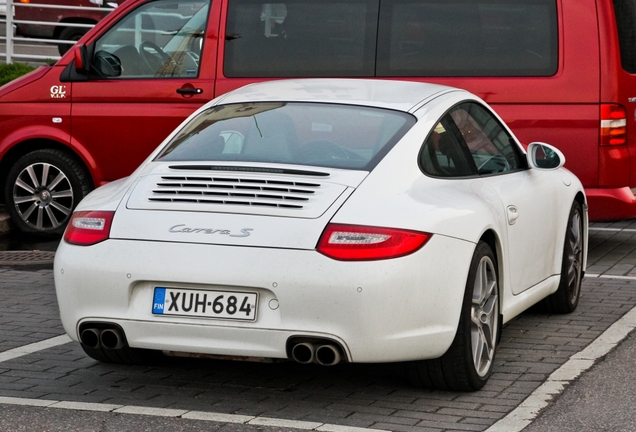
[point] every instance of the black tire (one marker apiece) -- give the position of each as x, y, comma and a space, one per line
467, 364
70, 33
566, 298
42, 188
126, 355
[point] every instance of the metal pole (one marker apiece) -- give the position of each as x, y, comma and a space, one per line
9, 44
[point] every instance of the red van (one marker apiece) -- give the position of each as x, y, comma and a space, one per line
86, 15
559, 71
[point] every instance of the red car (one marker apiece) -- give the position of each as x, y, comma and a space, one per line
60, 16
558, 71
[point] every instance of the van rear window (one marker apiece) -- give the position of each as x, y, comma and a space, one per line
625, 11
365, 38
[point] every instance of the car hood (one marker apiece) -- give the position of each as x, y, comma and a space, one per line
255, 205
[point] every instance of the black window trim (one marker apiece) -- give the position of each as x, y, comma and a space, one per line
524, 160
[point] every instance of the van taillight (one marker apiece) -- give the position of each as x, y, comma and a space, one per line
613, 125
88, 228
364, 243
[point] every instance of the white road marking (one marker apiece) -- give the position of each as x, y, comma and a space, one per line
192, 415
34, 347
629, 230
605, 276
556, 383
276, 422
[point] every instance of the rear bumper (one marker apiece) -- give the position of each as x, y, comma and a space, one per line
380, 311
606, 204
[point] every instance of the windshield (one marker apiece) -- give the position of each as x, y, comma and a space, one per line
328, 135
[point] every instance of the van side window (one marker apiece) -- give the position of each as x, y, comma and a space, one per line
468, 38
625, 12
492, 148
444, 153
300, 38
160, 39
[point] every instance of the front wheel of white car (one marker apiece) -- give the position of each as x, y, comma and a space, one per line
467, 364
566, 297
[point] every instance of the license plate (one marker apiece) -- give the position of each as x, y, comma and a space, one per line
205, 304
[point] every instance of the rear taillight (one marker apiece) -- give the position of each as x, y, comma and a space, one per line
364, 243
89, 227
613, 125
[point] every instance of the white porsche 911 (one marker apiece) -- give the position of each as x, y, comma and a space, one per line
327, 220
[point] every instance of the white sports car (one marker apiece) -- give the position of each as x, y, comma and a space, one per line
327, 220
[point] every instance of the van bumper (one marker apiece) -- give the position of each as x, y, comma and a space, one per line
607, 204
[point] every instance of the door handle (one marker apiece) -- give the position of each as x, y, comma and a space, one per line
513, 215
189, 90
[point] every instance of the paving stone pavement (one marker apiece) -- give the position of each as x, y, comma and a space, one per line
378, 396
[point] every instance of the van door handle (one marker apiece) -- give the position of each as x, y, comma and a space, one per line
189, 90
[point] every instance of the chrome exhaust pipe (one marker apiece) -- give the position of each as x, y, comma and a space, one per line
91, 337
303, 352
328, 355
112, 339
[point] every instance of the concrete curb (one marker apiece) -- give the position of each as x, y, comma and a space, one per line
5, 221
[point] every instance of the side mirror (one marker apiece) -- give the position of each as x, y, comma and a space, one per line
544, 156
79, 53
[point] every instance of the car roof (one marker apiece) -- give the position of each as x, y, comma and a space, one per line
392, 94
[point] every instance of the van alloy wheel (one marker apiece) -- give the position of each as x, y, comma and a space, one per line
42, 189
43, 196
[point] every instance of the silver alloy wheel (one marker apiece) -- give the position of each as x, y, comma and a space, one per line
574, 256
43, 196
484, 312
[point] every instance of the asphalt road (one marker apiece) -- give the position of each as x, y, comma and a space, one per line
57, 387
601, 400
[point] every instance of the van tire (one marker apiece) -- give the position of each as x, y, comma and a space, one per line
44, 207
70, 33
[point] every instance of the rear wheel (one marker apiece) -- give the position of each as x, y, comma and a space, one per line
42, 189
467, 364
566, 297
70, 33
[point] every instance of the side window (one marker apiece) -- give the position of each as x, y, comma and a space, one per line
160, 39
491, 147
468, 38
444, 153
300, 38
625, 12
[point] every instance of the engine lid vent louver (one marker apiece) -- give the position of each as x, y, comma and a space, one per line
234, 191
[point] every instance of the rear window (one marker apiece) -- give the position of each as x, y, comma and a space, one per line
327, 135
302, 38
625, 11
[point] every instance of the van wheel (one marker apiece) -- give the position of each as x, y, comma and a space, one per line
70, 33
42, 189
467, 364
